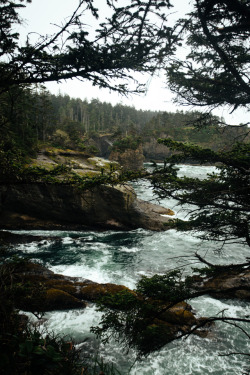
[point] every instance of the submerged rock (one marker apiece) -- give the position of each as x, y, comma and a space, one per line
10, 238
39, 289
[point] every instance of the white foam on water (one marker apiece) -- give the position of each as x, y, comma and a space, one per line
193, 356
129, 250
94, 274
44, 233
34, 247
73, 323
84, 239
189, 357
28, 248
67, 240
122, 258
208, 306
195, 171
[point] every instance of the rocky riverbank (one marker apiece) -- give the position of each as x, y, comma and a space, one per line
38, 290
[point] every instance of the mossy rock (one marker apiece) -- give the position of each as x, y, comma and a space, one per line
103, 164
49, 165
56, 299
63, 285
93, 292
158, 334
179, 314
86, 173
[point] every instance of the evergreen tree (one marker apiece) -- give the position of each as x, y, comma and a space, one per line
130, 40
215, 73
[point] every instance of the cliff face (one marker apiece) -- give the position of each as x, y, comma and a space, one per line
62, 205
103, 144
131, 159
55, 206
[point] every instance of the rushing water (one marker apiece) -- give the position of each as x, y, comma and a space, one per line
122, 257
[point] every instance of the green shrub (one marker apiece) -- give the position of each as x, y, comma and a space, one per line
127, 143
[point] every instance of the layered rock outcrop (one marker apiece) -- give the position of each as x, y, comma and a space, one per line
49, 205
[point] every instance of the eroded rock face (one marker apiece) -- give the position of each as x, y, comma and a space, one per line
60, 205
51, 206
155, 151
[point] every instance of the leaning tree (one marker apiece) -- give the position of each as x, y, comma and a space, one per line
128, 41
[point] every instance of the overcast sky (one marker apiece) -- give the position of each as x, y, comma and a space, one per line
40, 16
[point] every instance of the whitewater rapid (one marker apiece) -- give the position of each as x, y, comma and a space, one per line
121, 258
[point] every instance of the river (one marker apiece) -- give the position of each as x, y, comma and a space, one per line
122, 257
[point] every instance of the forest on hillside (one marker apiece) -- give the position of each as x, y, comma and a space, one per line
34, 118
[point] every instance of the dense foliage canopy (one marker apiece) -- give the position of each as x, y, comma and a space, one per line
221, 210
129, 40
216, 70
215, 73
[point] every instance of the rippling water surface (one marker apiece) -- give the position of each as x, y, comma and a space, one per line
122, 257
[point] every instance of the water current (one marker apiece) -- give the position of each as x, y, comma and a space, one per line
122, 257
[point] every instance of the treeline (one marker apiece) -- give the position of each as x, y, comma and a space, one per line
194, 127
31, 116
96, 116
